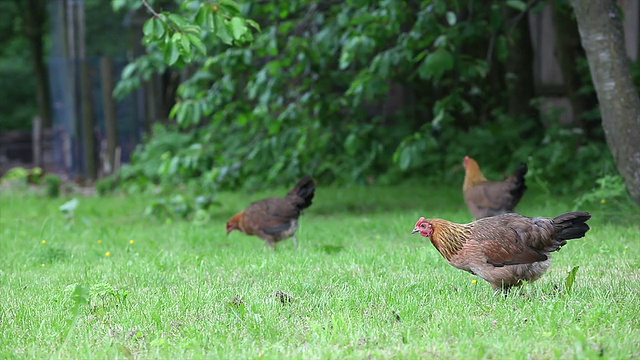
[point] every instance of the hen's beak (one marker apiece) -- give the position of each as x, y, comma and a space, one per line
415, 230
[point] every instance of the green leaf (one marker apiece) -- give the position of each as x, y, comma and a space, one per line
571, 278
147, 29
185, 114
405, 158
253, 24
176, 38
175, 109
230, 6
185, 42
440, 41
80, 295
382, 63
174, 164
517, 4
191, 29
158, 28
201, 16
178, 20
171, 53
420, 56
451, 18
222, 32
197, 114
435, 64
210, 21
238, 27
197, 43
351, 144
116, 5
346, 56
129, 70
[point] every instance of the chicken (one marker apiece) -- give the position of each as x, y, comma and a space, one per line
275, 219
505, 249
488, 198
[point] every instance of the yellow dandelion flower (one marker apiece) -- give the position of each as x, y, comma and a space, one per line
108, 253
43, 241
603, 201
99, 241
131, 241
42, 265
473, 281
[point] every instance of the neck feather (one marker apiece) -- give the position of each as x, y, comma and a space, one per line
449, 237
472, 176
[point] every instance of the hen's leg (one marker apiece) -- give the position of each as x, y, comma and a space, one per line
503, 290
295, 240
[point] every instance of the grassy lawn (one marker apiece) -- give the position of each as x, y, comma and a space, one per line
110, 283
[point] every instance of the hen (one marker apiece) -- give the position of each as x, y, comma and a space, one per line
505, 249
488, 198
275, 219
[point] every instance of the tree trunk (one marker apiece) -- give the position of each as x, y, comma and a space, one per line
603, 40
34, 27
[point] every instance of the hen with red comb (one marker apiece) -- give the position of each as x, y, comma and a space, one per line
506, 249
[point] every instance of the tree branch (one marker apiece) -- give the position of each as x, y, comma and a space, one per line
157, 16
153, 12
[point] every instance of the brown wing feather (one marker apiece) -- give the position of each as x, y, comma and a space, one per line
270, 215
512, 239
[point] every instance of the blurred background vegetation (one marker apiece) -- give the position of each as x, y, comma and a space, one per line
349, 91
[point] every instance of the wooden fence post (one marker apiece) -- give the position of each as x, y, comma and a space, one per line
89, 152
36, 141
109, 108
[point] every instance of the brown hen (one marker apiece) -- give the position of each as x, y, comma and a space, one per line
489, 198
505, 249
275, 219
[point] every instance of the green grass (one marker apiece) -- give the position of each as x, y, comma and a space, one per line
358, 286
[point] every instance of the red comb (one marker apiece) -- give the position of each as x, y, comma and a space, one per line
420, 220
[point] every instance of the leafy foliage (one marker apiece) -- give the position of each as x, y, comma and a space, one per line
354, 91
17, 82
53, 185
609, 187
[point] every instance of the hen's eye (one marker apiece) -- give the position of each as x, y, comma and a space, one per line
422, 225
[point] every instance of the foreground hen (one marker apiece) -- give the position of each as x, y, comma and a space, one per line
275, 219
505, 249
488, 198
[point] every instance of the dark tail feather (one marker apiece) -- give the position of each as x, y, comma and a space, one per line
304, 189
521, 171
519, 184
571, 225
